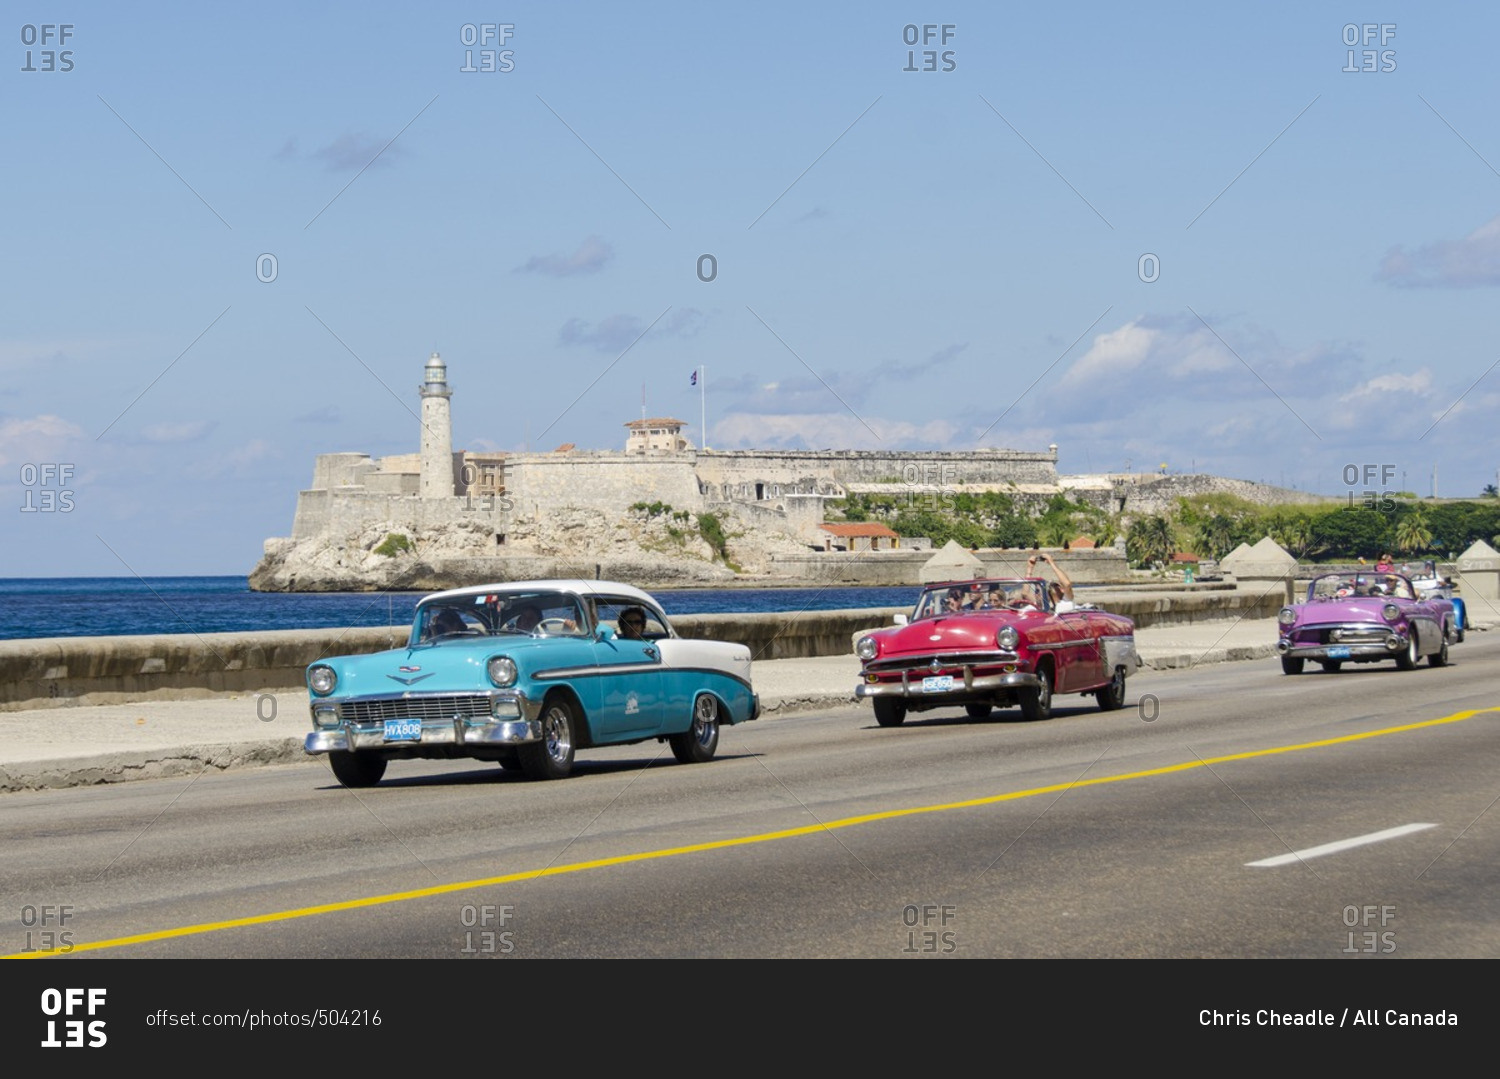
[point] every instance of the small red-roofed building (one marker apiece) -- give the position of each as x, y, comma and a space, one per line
858, 536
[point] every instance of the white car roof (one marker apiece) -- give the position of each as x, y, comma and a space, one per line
579, 587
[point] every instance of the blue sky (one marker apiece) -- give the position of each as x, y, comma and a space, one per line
905, 259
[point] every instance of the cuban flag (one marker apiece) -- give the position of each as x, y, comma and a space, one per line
694, 380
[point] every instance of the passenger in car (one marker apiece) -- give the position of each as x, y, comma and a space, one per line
444, 622
1059, 591
632, 624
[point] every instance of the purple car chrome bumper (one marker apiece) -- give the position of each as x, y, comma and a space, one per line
1354, 641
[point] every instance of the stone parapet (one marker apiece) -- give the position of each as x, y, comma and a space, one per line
106, 670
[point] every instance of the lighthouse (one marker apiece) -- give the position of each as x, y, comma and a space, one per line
437, 431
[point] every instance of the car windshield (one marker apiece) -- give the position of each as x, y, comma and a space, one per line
1418, 569
537, 614
1333, 586
980, 596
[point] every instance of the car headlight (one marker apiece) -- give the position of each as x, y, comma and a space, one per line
1287, 616
1391, 612
866, 648
502, 671
1006, 638
321, 680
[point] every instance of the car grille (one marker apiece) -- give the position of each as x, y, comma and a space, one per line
945, 659
1357, 634
433, 706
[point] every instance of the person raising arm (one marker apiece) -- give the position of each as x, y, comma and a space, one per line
1061, 590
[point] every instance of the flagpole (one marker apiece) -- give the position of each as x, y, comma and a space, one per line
703, 406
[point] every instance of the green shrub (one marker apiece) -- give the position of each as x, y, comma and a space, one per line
394, 544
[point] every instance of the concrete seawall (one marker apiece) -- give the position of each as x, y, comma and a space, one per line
107, 670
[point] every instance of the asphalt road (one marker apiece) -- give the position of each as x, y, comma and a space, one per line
1090, 835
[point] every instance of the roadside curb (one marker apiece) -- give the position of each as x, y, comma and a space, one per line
59, 773
1178, 660
809, 703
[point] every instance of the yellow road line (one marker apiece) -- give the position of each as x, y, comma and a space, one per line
721, 844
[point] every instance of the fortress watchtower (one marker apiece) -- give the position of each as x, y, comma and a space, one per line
660, 435
437, 431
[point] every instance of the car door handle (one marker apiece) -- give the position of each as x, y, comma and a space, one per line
650, 653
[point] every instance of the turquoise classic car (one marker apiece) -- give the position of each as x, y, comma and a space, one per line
525, 674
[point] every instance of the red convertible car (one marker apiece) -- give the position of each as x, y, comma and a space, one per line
991, 643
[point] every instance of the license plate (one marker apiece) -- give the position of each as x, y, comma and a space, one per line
937, 683
403, 730
1341, 652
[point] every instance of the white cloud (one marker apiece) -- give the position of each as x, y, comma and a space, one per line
32, 439
1153, 348
1419, 382
591, 257
1471, 262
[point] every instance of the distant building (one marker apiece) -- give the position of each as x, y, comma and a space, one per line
859, 536
661, 435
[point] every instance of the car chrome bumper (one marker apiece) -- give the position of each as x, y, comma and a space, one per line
522, 727
966, 686
1387, 648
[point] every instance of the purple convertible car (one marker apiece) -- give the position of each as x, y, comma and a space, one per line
1364, 617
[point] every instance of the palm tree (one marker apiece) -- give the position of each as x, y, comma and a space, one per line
1215, 536
1151, 539
1412, 533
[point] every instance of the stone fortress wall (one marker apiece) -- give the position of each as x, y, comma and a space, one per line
571, 502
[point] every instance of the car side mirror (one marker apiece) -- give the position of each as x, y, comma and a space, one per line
899, 619
603, 633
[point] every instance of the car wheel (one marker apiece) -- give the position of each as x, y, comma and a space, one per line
1112, 696
1037, 703
510, 761
698, 743
1332, 666
978, 711
1407, 660
1291, 664
356, 769
1440, 657
889, 713
552, 757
